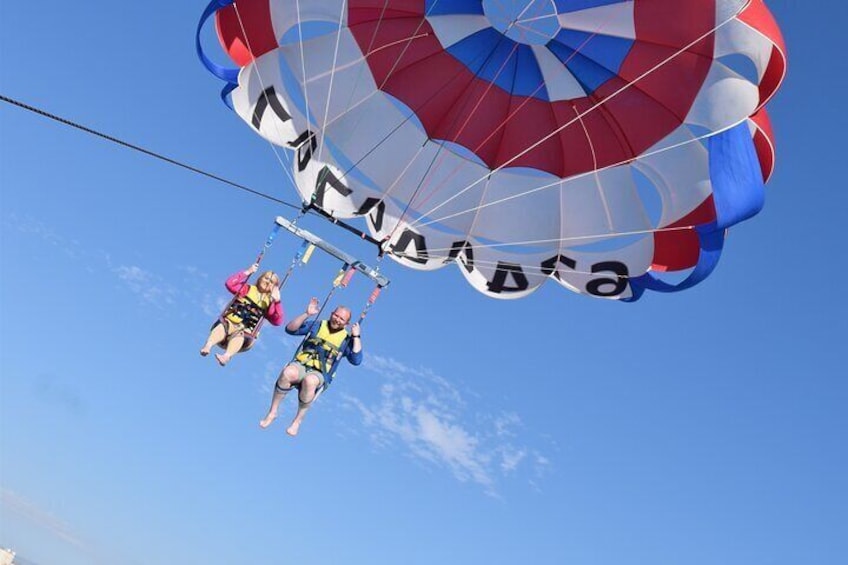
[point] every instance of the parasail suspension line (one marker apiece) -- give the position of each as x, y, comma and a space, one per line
327, 216
350, 267
233, 304
330, 375
375, 294
343, 279
268, 242
348, 260
300, 258
568, 123
231, 75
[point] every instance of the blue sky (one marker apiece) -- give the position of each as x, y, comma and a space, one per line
702, 428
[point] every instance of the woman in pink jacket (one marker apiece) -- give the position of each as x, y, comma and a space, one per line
238, 327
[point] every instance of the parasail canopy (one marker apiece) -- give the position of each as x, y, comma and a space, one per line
596, 143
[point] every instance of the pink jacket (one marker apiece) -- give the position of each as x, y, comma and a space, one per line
237, 284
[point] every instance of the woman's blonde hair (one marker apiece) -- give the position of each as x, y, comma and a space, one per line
272, 275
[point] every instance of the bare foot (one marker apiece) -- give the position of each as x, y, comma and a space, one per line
268, 420
222, 359
293, 429
204, 352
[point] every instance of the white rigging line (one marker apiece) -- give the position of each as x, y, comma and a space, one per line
597, 176
420, 224
441, 146
527, 30
357, 61
367, 51
370, 51
303, 66
529, 268
594, 107
563, 69
332, 76
287, 165
529, 271
439, 153
573, 239
408, 42
535, 19
380, 87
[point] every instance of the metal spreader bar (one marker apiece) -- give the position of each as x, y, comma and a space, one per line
350, 260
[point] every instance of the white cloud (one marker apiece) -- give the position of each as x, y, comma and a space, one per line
193, 273
511, 457
417, 408
427, 414
31, 511
150, 287
57, 527
147, 285
213, 304
33, 227
505, 424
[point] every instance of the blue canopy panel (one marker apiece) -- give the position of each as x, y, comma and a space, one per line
446, 7
496, 58
738, 185
738, 194
592, 59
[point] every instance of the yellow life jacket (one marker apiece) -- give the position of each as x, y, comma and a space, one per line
249, 309
324, 344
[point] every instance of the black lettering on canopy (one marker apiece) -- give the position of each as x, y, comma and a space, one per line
619, 282
505, 271
306, 144
266, 99
463, 252
326, 177
377, 217
408, 237
549, 266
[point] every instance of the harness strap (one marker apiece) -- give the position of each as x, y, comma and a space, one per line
321, 350
303, 403
250, 312
330, 375
237, 305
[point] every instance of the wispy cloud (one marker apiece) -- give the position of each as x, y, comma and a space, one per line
429, 416
192, 273
184, 286
435, 421
32, 227
213, 304
31, 511
152, 289
18, 504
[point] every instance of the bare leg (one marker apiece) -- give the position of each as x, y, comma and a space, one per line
216, 336
233, 347
283, 385
306, 396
